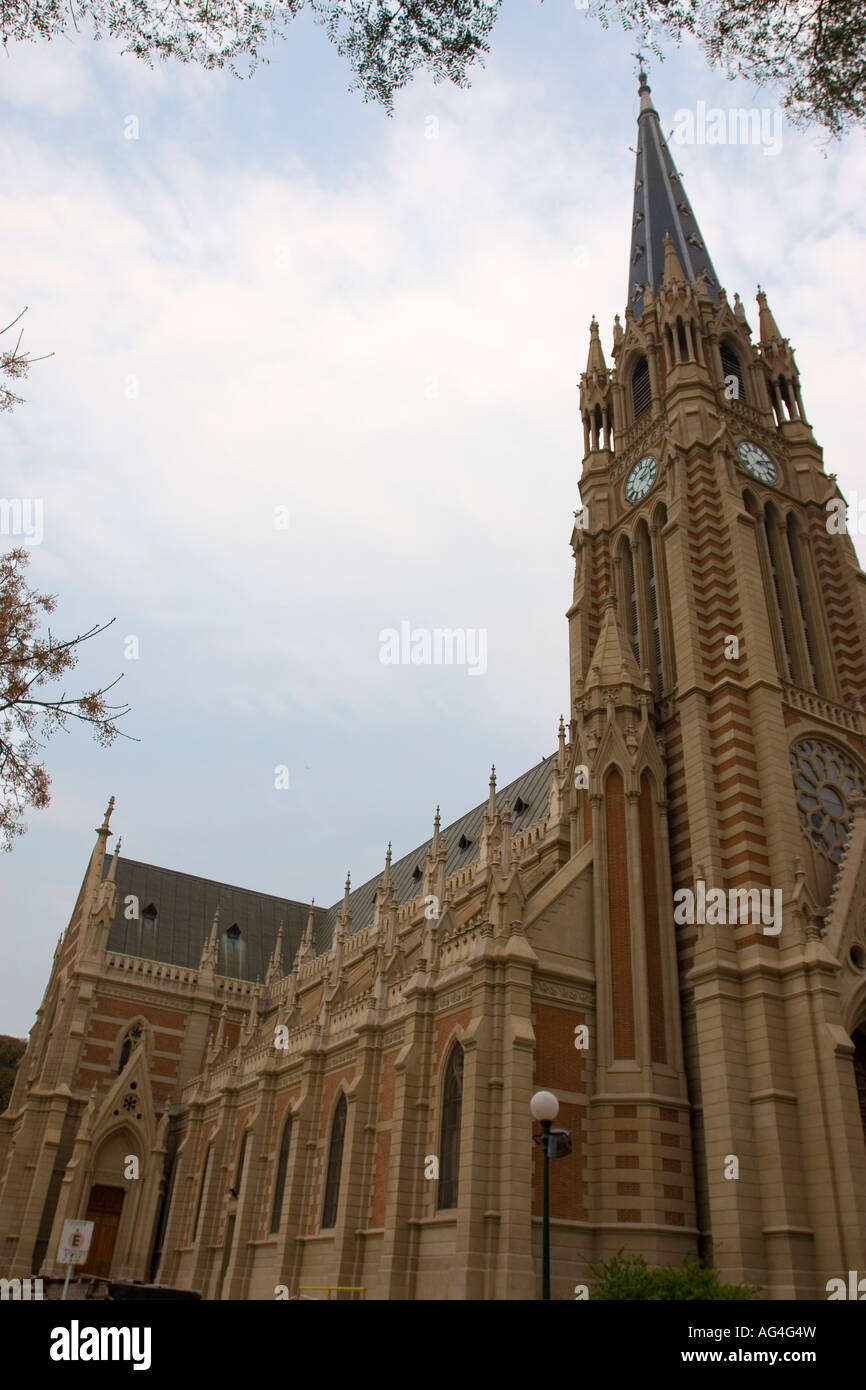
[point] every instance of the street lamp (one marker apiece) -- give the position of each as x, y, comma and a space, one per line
545, 1108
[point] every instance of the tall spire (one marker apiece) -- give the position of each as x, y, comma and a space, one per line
595, 360
306, 948
210, 950
275, 965
661, 207
491, 798
768, 328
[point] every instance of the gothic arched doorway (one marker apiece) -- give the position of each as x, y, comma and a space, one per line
103, 1209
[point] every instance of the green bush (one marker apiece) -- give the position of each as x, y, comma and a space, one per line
630, 1277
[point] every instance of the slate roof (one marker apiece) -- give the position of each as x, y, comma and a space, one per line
185, 908
660, 206
186, 904
530, 788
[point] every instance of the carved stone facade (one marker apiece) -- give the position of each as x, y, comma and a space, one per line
287, 1123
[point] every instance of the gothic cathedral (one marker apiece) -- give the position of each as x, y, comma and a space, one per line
663, 922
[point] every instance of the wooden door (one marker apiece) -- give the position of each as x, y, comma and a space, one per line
103, 1210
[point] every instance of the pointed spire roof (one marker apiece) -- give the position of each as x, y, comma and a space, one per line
560, 746
275, 964
436, 842
112, 868
595, 358
386, 877
768, 329
306, 948
210, 950
613, 659
344, 918
660, 207
491, 797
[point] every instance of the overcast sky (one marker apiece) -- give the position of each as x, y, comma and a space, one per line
279, 297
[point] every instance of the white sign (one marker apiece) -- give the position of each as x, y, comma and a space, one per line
74, 1242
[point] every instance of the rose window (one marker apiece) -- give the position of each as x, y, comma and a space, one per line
826, 779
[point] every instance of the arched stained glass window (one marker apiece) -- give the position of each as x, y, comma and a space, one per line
449, 1148
335, 1165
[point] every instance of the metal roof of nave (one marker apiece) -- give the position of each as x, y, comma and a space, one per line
185, 904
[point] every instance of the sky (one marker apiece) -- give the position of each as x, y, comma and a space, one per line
313, 377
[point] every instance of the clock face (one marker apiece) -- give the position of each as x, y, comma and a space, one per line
641, 478
757, 461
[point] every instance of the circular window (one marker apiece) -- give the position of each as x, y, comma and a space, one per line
826, 779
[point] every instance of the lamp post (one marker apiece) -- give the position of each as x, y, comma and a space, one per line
545, 1108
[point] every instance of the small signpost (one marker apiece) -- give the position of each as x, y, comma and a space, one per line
74, 1246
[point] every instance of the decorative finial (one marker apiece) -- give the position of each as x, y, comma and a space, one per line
386, 877
107, 817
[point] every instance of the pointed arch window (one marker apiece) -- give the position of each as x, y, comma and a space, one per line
859, 1040
641, 602
641, 391
651, 646
449, 1146
201, 1191
242, 1157
628, 596
280, 1177
776, 553
811, 609
335, 1166
133, 1035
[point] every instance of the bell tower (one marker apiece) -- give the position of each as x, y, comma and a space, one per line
707, 522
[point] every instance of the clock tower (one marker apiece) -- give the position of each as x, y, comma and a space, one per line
707, 540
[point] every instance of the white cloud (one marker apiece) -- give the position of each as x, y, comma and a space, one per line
391, 349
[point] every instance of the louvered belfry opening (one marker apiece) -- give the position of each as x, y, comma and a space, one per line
731, 367
641, 392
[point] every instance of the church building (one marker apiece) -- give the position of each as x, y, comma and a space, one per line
663, 922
